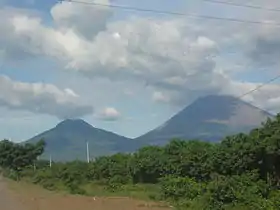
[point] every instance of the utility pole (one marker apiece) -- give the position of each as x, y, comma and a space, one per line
87, 153
50, 161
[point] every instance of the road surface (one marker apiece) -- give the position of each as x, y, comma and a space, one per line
7, 201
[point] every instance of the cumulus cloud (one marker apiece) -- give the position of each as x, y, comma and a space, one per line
83, 19
260, 42
109, 114
160, 97
14, 47
264, 47
41, 98
23, 34
177, 58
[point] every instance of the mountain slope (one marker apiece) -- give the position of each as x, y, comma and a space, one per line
208, 118
67, 141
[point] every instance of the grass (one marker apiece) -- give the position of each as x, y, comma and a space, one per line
142, 192
34, 197
125, 198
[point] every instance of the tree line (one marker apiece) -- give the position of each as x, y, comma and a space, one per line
242, 172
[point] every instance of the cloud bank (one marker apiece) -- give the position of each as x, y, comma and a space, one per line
41, 98
179, 59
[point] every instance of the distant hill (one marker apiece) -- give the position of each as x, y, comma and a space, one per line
208, 118
67, 141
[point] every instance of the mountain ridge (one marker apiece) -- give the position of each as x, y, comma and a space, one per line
221, 114
208, 118
67, 141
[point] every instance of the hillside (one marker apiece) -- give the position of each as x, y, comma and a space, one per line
67, 141
208, 118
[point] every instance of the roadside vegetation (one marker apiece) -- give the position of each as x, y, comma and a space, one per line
242, 172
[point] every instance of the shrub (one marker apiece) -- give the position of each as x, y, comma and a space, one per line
176, 188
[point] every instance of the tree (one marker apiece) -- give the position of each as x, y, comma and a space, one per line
189, 158
16, 156
115, 168
147, 164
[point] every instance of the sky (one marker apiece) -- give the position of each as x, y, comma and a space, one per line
126, 71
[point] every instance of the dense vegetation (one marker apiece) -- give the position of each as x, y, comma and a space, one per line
240, 173
14, 158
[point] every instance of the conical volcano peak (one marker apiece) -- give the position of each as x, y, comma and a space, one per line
209, 118
68, 123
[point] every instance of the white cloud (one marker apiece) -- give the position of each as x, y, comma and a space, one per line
160, 97
264, 47
82, 18
109, 114
177, 58
41, 98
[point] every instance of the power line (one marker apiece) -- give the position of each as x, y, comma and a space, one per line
243, 5
191, 15
197, 16
260, 86
253, 90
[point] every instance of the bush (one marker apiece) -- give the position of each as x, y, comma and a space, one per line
245, 190
176, 188
274, 198
241, 172
76, 189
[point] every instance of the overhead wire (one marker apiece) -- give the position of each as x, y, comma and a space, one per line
164, 12
197, 16
259, 86
231, 3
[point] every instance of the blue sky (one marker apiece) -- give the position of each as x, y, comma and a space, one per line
95, 63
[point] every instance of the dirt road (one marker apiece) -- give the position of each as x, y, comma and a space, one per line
23, 196
7, 201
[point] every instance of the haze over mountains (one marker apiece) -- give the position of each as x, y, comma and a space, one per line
209, 118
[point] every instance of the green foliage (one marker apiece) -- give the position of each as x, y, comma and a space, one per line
245, 189
115, 169
189, 158
15, 157
240, 173
274, 198
147, 164
74, 188
177, 188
